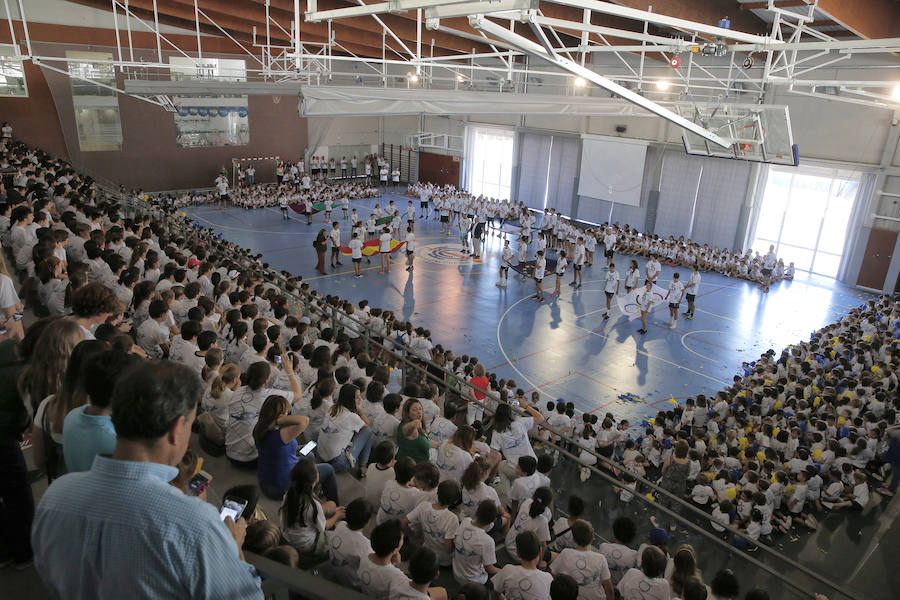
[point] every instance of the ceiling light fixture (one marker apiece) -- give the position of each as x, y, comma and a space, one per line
580, 82
663, 85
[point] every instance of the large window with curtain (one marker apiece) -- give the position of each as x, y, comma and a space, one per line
804, 214
490, 161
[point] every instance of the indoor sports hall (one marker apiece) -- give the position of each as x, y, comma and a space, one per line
557, 299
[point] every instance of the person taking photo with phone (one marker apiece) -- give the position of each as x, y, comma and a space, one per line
120, 529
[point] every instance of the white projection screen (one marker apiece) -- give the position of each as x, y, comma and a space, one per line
612, 169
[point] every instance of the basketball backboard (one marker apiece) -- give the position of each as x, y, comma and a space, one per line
759, 132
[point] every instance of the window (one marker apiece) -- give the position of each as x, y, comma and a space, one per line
489, 163
12, 72
804, 214
96, 107
221, 69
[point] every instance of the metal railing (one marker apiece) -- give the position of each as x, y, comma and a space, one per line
681, 510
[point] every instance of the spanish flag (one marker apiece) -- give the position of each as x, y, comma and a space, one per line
370, 248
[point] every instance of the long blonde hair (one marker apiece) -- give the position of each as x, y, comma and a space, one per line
44, 374
227, 375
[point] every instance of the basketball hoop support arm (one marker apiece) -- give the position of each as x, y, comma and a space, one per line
529, 47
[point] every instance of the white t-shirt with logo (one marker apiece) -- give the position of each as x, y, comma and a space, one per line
634, 585
436, 525
519, 583
473, 549
398, 501
589, 569
472, 498
612, 282
377, 580
540, 525
337, 433
514, 442
346, 551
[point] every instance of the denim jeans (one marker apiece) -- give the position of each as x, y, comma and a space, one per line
327, 480
359, 449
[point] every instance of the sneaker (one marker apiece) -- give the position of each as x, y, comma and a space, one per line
585, 474
542, 299
642, 331
673, 324
606, 316
499, 284
812, 522
24, 565
690, 316
535, 297
828, 505
883, 491
654, 522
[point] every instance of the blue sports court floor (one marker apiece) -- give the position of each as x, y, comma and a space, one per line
562, 347
565, 349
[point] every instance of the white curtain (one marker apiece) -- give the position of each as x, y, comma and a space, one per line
563, 171
535, 157
862, 206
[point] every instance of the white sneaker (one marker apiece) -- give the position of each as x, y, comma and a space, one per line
673, 324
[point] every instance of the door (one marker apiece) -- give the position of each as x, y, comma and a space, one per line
877, 259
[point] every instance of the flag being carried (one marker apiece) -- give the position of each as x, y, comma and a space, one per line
370, 248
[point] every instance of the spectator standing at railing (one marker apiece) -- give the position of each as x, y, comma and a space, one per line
510, 436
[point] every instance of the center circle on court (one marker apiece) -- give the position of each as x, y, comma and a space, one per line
445, 254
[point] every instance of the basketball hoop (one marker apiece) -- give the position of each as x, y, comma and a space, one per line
276, 99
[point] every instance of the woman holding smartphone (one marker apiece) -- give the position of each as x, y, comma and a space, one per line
276, 435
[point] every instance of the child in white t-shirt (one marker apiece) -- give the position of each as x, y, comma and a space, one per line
524, 581
619, 555
589, 568
436, 523
648, 581
474, 554
383, 471
400, 496
347, 546
378, 573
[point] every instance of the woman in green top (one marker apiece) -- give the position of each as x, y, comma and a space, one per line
412, 435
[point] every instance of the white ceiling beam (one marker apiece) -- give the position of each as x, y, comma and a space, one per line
464, 9
480, 23
611, 31
650, 17
314, 16
887, 44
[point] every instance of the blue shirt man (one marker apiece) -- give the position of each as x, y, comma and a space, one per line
120, 530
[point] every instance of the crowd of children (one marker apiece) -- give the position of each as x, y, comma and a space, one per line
794, 435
